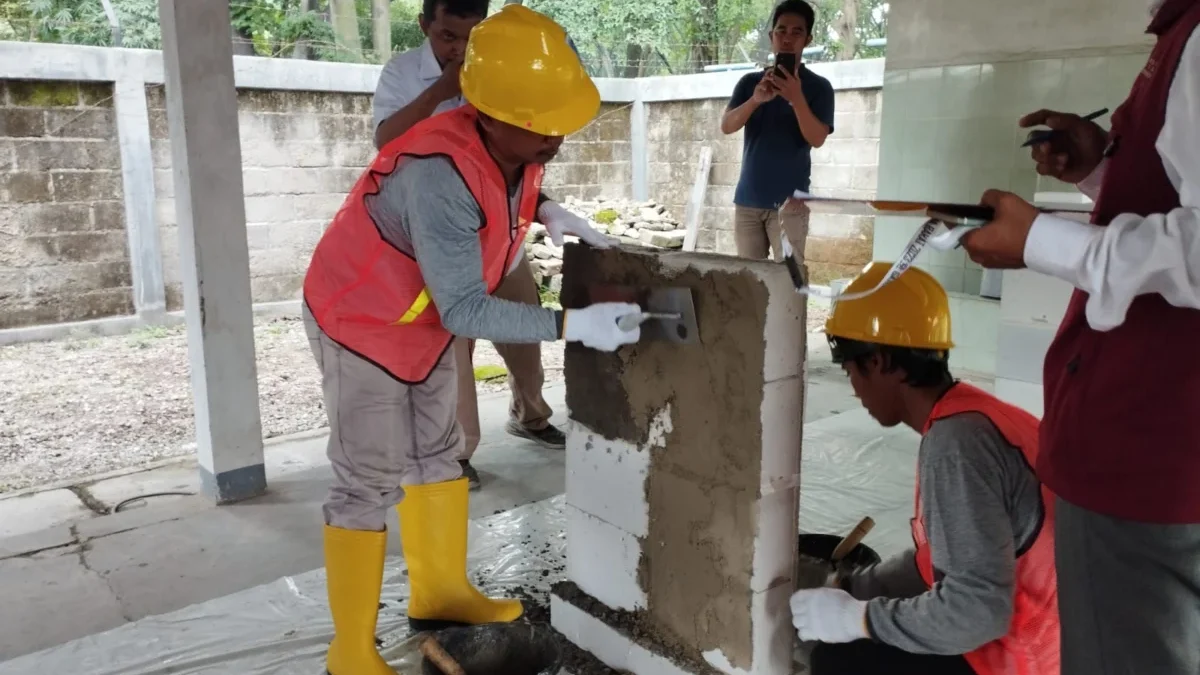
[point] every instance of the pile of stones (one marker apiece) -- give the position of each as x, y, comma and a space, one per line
644, 223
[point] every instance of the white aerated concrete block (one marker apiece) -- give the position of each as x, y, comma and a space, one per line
603, 561
605, 643
607, 478
773, 635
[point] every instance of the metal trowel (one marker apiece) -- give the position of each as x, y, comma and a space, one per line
668, 315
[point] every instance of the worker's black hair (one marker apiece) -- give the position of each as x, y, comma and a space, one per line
797, 7
923, 368
464, 9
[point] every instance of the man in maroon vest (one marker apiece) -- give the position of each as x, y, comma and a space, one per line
1120, 440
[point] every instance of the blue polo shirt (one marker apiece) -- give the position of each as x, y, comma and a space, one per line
776, 160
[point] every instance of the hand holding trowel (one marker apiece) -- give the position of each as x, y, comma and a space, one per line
668, 314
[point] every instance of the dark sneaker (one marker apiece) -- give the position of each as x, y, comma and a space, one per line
470, 474
550, 437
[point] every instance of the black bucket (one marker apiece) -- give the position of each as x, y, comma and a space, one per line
500, 649
821, 546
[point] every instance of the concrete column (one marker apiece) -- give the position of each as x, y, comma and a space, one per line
137, 174
639, 149
682, 473
215, 261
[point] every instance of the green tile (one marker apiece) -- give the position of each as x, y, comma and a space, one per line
1085, 83
1122, 69
993, 142
921, 139
949, 276
985, 178
890, 184
1011, 87
896, 94
1023, 181
972, 278
1048, 184
1044, 79
891, 234
924, 90
987, 97
959, 92
921, 184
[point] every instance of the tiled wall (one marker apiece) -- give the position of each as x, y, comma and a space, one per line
950, 132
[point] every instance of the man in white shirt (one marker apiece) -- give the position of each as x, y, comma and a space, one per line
413, 86
1120, 440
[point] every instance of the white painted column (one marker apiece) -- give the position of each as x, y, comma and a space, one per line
215, 260
639, 149
137, 175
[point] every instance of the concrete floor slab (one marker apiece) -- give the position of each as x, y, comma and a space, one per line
38, 511
111, 492
165, 555
51, 595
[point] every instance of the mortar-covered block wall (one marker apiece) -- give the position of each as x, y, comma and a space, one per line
838, 246
681, 465
63, 252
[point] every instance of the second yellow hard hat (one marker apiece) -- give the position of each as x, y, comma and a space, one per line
912, 311
522, 69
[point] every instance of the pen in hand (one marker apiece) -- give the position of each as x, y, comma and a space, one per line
1043, 135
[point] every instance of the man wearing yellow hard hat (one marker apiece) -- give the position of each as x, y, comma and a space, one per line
410, 261
977, 594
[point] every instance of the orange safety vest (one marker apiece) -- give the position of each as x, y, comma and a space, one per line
369, 296
1031, 645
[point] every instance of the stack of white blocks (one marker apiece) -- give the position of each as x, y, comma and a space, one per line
608, 514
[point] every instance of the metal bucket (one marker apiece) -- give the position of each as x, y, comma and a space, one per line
500, 649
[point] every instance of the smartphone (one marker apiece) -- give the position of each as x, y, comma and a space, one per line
785, 62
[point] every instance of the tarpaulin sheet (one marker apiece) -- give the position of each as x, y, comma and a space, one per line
851, 468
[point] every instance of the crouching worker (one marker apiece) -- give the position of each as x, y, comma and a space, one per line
978, 592
409, 261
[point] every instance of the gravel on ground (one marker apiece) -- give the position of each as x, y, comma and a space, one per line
80, 406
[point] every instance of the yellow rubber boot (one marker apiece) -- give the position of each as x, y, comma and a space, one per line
354, 567
433, 527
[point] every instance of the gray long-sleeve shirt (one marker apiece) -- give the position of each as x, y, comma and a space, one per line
426, 210
981, 503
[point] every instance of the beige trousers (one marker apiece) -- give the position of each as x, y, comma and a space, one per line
756, 231
383, 434
524, 362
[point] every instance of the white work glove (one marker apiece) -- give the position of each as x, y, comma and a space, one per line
596, 325
559, 222
828, 615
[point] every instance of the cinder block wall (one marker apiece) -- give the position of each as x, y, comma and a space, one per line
305, 132
62, 222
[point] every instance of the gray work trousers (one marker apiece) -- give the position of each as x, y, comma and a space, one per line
1128, 595
383, 434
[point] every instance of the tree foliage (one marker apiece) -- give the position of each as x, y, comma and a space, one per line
616, 38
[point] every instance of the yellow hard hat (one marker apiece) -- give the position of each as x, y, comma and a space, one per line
522, 69
912, 311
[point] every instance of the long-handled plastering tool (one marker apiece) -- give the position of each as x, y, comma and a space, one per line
668, 313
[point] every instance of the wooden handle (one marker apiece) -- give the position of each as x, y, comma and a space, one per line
433, 651
853, 539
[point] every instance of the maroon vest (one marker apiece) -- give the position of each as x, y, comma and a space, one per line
1121, 430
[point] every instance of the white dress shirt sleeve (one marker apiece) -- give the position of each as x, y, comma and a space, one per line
1134, 255
398, 86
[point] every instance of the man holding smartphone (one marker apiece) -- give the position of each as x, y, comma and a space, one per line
786, 110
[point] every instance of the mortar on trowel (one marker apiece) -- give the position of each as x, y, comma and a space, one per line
826, 558
492, 649
668, 313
